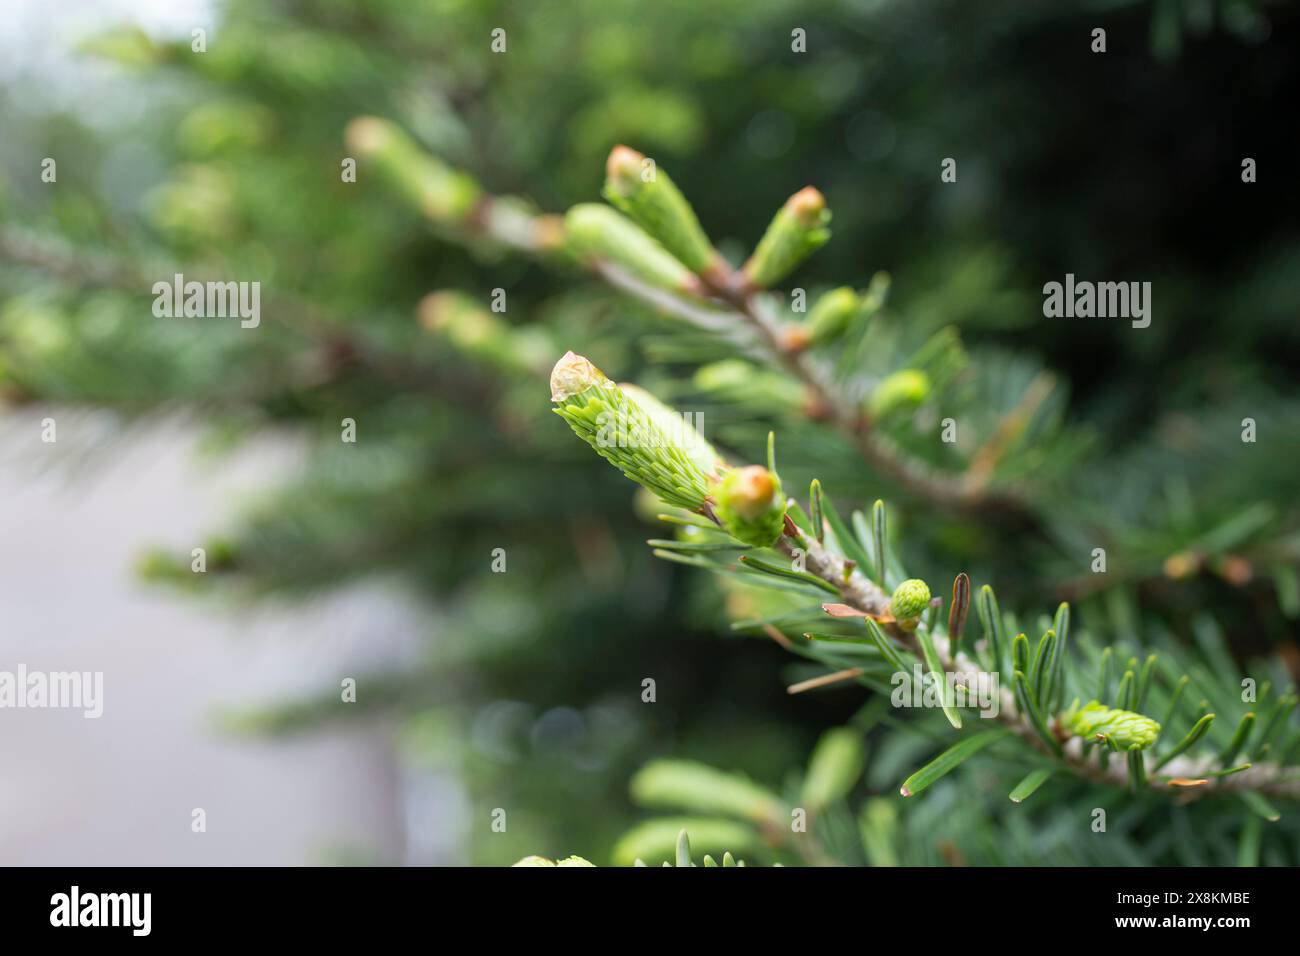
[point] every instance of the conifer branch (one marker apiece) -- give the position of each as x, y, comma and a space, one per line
1078, 739
725, 302
865, 596
341, 344
747, 311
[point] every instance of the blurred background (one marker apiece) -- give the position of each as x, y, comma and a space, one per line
521, 691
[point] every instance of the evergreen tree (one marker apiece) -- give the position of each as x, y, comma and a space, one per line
419, 196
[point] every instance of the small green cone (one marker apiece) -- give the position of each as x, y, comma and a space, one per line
910, 600
1124, 728
652, 200
443, 194
797, 230
749, 503
635, 432
533, 861
594, 231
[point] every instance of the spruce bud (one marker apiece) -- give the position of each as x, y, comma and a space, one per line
797, 230
749, 503
655, 204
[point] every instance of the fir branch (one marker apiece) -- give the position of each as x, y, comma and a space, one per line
1024, 707
865, 596
725, 302
340, 343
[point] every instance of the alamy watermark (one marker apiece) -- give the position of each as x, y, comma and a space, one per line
208, 300
975, 689
620, 430
1102, 300
132, 911
55, 690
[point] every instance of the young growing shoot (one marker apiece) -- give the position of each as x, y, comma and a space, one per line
849, 366
637, 434
797, 231
745, 532
646, 194
649, 244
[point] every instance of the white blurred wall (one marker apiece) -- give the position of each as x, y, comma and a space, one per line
121, 789
74, 517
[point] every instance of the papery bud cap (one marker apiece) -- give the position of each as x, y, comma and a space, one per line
807, 205
623, 167
572, 374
